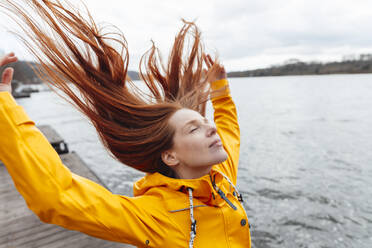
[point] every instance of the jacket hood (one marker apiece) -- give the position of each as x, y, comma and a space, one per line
202, 187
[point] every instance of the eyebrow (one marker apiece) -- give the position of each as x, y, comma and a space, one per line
193, 122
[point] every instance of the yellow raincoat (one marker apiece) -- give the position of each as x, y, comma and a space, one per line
162, 210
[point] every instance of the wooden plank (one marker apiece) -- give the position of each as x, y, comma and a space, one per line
50, 134
77, 166
20, 228
54, 139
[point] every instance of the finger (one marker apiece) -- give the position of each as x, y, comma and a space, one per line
206, 61
7, 76
10, 58
210, 59
7, 59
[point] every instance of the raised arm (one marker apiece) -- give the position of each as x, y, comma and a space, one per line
63, 198
60, 197
225, 117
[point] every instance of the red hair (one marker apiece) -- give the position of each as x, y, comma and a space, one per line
75, 53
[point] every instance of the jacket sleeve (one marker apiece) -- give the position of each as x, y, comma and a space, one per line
61, 197
226, 119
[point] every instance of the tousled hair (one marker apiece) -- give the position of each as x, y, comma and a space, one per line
91, 68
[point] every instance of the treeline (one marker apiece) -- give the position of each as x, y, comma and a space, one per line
350, 64
25, 72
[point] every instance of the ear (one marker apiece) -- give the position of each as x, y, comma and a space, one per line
169, 158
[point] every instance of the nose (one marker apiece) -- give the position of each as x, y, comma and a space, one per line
211, 130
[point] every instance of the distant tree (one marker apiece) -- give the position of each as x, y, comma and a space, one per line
365, 57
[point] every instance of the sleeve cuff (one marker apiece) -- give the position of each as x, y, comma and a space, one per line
15, 111
219, 88
6, 99
216, 85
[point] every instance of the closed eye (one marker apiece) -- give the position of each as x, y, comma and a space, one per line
194, 129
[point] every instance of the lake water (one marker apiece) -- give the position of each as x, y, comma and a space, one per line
306, 156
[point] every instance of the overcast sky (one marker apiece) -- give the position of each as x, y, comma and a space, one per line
247, 34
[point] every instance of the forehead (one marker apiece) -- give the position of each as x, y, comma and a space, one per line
183, 116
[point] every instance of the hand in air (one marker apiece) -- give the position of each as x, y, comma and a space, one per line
215, 71
7, 76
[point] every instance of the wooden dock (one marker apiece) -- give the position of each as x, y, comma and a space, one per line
21, 228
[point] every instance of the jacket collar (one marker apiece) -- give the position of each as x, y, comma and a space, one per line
202, 187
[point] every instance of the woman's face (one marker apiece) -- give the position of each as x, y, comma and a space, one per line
197, 146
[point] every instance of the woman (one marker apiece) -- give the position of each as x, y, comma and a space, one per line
188, 196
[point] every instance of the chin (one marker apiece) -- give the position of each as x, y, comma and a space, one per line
220, 157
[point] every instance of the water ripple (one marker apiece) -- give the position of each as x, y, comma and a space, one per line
301, 225
320, 199
276, 195
326, 217
264, 239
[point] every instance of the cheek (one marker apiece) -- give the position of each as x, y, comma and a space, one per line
194, 143
191, 144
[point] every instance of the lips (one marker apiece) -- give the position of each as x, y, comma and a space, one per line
217, 142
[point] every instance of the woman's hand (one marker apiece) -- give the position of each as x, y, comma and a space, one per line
215, 70
7, 76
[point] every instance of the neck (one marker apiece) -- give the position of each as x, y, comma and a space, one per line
186, 172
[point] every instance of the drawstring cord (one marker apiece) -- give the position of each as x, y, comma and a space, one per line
239, 196
193, 221
223, 196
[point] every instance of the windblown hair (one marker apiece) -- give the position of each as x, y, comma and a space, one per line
76, 54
